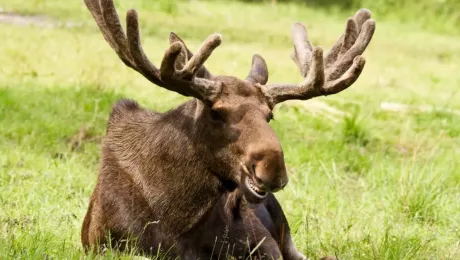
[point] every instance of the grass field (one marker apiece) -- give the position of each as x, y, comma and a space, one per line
368, 184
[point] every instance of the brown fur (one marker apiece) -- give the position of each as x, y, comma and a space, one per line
172, 178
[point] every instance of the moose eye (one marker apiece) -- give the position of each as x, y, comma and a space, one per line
216, 116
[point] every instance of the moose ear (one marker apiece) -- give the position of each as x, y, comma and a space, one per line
259, 71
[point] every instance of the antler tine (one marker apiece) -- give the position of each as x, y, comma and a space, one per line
106, 17
347, 79
144, 65
128, 49
196, 61
302, 48
200, 87
193, 65
202, 72
361, 16
343, 62
349, 37
167, 67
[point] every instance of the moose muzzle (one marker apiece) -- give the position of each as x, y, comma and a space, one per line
265, 172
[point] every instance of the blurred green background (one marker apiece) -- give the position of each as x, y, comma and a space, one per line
374, 170
438, 15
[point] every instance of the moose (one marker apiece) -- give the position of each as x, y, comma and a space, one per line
201, 177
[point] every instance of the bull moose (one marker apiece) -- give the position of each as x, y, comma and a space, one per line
201, 177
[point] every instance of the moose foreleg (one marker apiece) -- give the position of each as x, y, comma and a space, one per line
272, 216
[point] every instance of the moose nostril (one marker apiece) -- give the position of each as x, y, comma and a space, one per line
258, 180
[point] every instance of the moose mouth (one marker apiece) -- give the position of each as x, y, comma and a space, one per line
254, 189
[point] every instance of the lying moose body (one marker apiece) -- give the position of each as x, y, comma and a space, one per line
212, 215
118, 204
200, 178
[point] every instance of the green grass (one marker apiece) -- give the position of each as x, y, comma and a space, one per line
371, 185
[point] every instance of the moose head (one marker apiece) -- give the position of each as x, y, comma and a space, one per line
235, 113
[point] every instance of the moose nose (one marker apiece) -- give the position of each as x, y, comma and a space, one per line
267, 182
269, 171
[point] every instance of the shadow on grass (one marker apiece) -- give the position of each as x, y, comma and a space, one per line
44, 120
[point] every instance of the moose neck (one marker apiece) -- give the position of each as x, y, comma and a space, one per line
168, 159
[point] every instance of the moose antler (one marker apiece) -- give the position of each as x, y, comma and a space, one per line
180, 70
202, 72
337, 71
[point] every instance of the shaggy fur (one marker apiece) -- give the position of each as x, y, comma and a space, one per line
165, 179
